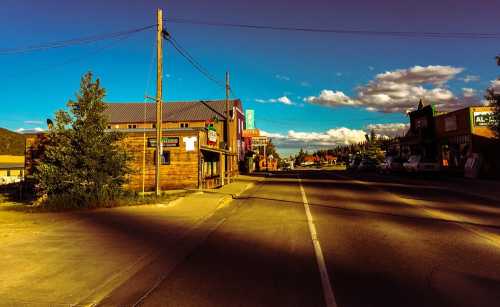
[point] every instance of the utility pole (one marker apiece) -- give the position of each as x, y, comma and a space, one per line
228, 138
159, 80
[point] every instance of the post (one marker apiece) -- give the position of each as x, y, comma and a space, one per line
228, 138
159, 80
265, 157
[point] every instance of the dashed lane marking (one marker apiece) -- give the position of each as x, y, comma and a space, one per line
325, 279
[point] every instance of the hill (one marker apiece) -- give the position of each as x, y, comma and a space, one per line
11, 143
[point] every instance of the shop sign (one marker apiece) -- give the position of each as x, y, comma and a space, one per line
250, 119
450, 123
249, 133
165, 141
484, 118
212, 136
260, 141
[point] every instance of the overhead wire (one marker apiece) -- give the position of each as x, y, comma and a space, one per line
402, 34
73, 41
184, 53
72, 60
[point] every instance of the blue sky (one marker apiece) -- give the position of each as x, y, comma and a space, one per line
264, 65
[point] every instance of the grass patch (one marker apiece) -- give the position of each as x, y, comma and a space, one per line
66, 202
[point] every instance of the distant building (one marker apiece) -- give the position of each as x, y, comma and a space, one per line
11, 168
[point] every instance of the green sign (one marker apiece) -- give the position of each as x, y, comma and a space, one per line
483, 118
250, 119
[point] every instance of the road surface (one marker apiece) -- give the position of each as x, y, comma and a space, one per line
364, 243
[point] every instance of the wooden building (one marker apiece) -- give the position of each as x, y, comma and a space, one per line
197, 149
11, 168
465, 132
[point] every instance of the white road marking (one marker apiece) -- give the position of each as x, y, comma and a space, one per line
325, 279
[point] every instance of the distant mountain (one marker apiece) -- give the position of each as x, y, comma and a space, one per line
11, 143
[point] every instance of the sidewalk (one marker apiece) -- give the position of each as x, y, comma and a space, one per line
52, 259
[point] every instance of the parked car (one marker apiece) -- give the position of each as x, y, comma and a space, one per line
354, 163
368, 165
417, 164
391, 164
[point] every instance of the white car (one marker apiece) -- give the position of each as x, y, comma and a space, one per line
391, 164
415, 164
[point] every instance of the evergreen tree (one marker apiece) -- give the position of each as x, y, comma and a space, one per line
80, 158
300, 158
493, 97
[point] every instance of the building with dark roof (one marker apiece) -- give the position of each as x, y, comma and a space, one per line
197, 151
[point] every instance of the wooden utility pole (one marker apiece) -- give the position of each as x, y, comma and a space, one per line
228, 134
159, 80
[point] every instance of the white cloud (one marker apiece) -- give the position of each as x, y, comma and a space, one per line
339, 74
333, 137
400, 91
282, 77
38, 129
495, 85
434, 74
371, 68
389, 130
469, 92
33, 122
305, 84
331, 98
470, 78
283, 100
272, 135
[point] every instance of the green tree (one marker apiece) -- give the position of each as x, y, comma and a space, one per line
271, 150
493, 98
300, 157
81, 159
372, 149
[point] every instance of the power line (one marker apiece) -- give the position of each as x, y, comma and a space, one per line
402, 34
112, 45
184, 53
74, 41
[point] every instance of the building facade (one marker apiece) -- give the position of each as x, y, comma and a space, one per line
466, 132
11, 168
200, 146
453, 139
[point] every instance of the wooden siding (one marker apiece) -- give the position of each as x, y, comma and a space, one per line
182, 172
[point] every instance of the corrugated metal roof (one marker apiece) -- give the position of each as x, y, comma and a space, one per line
133, 112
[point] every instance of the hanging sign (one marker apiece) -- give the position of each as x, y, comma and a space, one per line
260, 141
250, 119
212, 136
248, 133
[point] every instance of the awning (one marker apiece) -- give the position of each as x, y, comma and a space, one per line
217, 150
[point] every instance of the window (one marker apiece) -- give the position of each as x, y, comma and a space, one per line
153, 125
165, 157
8, 173
109, 126
184, 125
130, 126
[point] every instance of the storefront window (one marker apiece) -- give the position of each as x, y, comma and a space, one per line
165, 157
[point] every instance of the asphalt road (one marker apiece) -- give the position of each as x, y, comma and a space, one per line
381, 242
